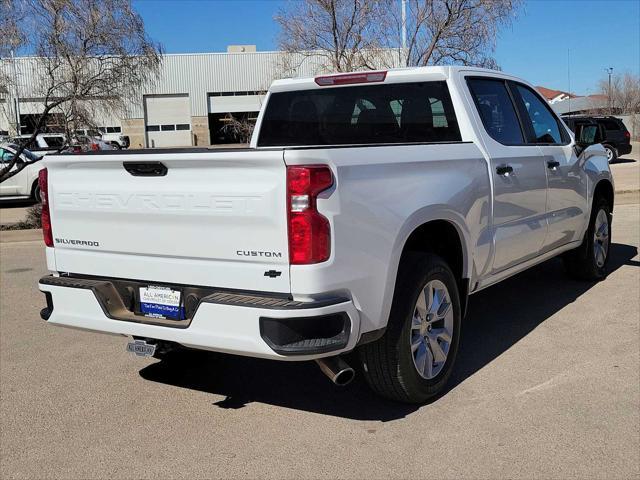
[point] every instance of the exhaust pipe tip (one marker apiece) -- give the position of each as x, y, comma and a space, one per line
336, 370
344, 377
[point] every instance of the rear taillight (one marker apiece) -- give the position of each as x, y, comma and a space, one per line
309, 231
45, 217
627, 135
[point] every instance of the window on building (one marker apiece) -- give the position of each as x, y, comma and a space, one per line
496, 110
167, 128
183, 126
153, 128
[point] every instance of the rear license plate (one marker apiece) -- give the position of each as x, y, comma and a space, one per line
141, 348
161, 302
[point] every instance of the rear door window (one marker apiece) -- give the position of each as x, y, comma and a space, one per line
54, 142
610, 125
367, 114
497, 112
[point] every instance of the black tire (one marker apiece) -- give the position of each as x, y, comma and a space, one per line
582, 263
36, 195
612, 153
116, 145
388, 363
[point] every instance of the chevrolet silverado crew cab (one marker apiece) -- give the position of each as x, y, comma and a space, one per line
367, 209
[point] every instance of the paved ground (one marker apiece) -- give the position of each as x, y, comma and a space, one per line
13, 212
626, 174
547, 386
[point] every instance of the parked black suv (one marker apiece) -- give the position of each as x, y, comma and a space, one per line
612, 133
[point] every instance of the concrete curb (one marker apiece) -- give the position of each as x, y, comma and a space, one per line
13, 236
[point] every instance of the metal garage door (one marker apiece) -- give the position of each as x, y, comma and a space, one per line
167, 120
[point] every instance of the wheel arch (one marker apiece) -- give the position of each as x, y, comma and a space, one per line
34, 186
604, 188
445, 237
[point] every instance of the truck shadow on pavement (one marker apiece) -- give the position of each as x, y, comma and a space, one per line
499, 317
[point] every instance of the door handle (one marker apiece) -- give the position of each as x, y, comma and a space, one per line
145, 169
553, 164
504, 170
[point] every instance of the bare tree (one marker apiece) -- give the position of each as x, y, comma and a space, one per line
346, 34
463, 32
359, 34
239, 128
625, 93
12, 36
89, 56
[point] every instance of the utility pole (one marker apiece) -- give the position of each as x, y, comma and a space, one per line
405, 58
569, 77
610, 72
16, 93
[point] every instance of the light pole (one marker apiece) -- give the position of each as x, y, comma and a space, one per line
16, 92
610, 72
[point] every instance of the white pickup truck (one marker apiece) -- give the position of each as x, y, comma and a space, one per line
366, 210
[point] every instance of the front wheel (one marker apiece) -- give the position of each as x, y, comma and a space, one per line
589, 260
412, 362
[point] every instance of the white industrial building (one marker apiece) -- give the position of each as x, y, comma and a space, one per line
188, 102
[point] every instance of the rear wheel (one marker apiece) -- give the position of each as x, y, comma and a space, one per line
116, 145
36, 194
412, 362
589, 260
612, 153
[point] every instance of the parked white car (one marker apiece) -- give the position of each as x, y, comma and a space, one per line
24, 185
111, 135
367, 209
44, 143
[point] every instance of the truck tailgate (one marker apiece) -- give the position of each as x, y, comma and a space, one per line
216, 218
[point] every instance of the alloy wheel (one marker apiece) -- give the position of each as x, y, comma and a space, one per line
431, 329
601, 238
609, 154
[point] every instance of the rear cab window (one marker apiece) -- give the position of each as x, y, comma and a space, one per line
419, 112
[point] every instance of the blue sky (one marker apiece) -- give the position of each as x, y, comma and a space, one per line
597, 33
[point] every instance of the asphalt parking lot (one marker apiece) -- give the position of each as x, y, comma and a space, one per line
547, 386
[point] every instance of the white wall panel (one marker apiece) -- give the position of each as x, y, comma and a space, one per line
197, 75
238, 103
167, 109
